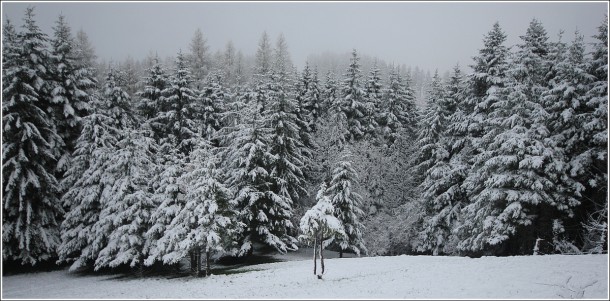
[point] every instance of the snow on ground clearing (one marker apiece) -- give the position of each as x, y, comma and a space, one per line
403, 277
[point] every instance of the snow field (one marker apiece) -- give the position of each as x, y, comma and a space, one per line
402, 277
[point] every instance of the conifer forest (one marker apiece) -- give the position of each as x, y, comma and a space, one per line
141, 164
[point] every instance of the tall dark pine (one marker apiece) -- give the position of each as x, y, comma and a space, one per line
329, 95
85, 182
309, 98
72, 84
150, 97
397, 111
286, 145
353, 101
265, 214
347, 205
596, 156
127, 204
212, 106
471, 121
430, 138
178, 123
516, 196
373, 98
442, 193
31, 209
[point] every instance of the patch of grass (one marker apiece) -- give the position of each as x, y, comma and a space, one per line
232, 271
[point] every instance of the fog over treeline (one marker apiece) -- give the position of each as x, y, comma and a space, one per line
143, 163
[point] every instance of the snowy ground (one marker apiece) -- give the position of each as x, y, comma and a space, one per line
402, 277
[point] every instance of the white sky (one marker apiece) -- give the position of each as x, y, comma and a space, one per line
429, 35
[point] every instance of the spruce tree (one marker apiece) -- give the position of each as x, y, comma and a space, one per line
31, 208
84, 188
263, 63
352, 102
484, 84
320, 227
198, 58
282, 64
515, 191
266, 214
430, 139
347, 205
127, 204
150, 103
286, 145
471, 120
310, 98
168, 194
397, 111
178, 115
595, 157
85, 53
212, 106
373, 99
85, 182
206, 223
329, 95
442, 192
72, 83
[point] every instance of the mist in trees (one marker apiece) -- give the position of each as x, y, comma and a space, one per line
145, 162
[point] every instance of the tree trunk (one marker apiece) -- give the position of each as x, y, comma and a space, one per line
207, 263
315, 252
196, 262
193, 262
341, 253
141, 267
322, 257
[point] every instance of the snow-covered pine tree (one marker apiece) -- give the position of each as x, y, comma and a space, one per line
177, 118
487, 79
596, 125
515, 190
470, 122
352, 100
10, 45
31, 209
373, 101
128, 76
263, 63
240, 71
282, 64
127, 204
168, 194
212, 106
85, 53
71, 87
430, 139
301, 86
347, 205
84, 182
198, 58
310, 97
150, 97
442, 193
565, 101
265, 214
320, 227
291, 156
206, 223
397, 111
229, 64
84, 186
329, 95
118, 103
